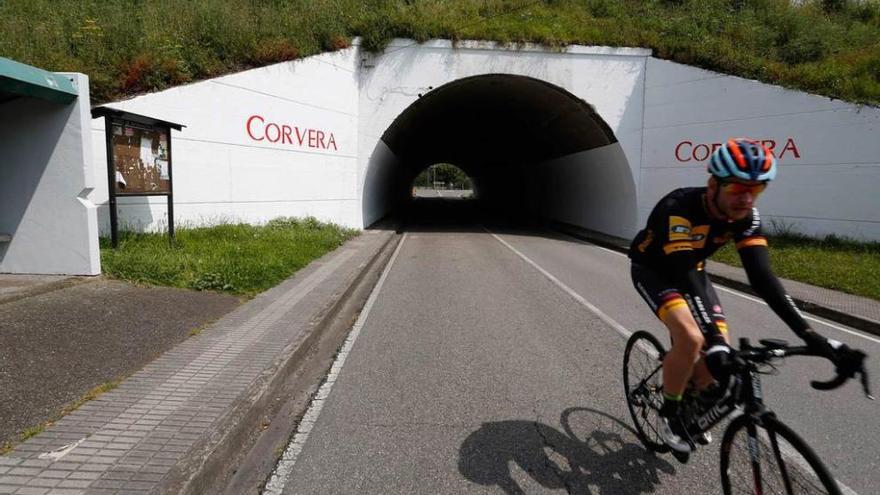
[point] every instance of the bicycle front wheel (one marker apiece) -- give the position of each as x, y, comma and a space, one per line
770, 458
643, 384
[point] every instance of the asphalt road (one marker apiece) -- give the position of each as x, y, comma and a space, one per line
475, 373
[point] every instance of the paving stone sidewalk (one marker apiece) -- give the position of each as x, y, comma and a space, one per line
141, 436
57, 345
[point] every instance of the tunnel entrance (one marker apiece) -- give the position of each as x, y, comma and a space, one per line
534, 152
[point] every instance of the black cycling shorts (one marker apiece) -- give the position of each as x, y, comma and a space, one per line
662, 294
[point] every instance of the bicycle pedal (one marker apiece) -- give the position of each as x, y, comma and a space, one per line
682, 457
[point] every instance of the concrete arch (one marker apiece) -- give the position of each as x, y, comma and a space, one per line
531, 147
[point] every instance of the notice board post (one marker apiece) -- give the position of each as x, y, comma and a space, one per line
138, 160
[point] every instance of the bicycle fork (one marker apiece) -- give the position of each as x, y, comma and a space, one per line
755, 409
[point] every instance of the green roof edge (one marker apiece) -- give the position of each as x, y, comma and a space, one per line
25, 80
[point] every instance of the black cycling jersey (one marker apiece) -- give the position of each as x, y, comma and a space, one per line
681, 231
679, 236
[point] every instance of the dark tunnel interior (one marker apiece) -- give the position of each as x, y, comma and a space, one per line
501, 130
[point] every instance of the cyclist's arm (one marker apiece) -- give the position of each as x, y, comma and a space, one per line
757, 264
752, 247
756, 261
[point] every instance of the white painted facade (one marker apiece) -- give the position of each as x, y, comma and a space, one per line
227, 170
828, 150
46, 181
665, 117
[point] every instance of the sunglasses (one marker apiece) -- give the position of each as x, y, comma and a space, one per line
740, 188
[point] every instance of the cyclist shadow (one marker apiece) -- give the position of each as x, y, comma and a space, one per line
605, 459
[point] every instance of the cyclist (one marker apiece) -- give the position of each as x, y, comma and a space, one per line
668, 258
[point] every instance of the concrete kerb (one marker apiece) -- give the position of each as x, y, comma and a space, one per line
211, 463
44, 288
622, 245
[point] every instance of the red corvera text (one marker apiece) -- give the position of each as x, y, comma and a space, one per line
259, 129
689, 151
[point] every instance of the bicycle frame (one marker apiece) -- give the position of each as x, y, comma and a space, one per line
747, 391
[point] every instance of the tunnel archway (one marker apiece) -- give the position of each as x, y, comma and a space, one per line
533, 150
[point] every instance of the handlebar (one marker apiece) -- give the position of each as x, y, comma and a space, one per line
779, 349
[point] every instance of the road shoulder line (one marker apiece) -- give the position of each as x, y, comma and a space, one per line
275, 485
568, 290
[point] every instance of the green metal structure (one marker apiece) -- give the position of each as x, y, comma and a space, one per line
17, 80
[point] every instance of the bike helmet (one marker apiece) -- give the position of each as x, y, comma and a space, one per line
744, 159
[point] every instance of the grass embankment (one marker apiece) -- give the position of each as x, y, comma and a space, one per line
238, 258
834, 263
830, 47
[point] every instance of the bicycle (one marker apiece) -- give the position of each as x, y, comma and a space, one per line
759, 453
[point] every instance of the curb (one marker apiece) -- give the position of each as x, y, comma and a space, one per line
46, 288
622, 245
214, 460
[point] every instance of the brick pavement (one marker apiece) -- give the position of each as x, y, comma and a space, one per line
131, 439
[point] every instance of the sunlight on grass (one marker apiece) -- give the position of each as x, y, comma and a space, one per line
232, 257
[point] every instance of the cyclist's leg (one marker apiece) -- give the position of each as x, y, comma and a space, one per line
687, 343
672, 309
670, 306
702, 378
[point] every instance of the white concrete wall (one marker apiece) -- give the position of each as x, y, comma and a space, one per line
592, 189
611, 79
46, 179
828, 151
666, 117
224, 170
384, 165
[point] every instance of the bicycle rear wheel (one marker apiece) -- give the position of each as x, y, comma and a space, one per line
643, 384
770, 458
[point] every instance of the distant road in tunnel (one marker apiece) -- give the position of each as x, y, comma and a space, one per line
475, 373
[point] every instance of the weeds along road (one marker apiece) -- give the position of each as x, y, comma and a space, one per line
475, 373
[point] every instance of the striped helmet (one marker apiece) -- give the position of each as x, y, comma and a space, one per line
744, 159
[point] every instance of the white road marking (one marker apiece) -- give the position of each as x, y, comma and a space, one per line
568, 290
285, 466
750, 298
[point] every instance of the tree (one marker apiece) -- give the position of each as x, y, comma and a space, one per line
447, 173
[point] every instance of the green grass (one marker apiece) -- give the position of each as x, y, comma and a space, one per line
830, 47
834, 263
236, 258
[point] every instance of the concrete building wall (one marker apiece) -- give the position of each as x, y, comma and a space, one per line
46, 182
828, 151
610, 79
665, 116
275, 141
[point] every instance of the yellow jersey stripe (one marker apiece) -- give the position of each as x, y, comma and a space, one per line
672, 247
751, 241
668, 306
